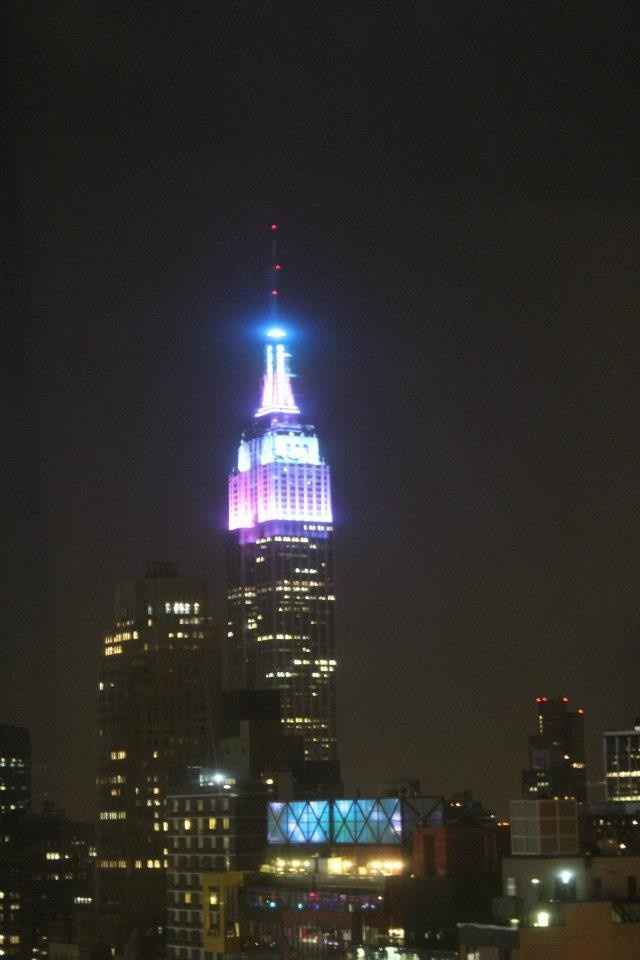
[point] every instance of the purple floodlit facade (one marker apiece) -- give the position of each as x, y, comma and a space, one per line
280, 474
281, 597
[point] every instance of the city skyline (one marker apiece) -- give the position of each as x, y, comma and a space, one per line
461, 281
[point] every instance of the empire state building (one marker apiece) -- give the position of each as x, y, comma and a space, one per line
280, 570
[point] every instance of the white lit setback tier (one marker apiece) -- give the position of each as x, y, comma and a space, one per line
280, 476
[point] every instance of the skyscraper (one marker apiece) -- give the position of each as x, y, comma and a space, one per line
280, 564
156, 702
556, 752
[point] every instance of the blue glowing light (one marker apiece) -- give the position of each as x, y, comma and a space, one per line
276, 333
351, 821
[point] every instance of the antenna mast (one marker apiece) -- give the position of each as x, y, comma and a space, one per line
276, 267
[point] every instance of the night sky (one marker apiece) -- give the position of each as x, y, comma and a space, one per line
457, 191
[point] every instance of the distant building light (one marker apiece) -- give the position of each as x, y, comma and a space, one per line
543, 918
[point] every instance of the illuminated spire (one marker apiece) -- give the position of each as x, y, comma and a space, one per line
277, 393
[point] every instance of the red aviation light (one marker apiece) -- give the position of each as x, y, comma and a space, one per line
274, 293
277, 266
564, 699
274, 227
542, 699
580, 711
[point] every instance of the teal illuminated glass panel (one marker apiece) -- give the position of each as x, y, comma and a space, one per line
320, 828
362, 820
367, 820
301, 821
276, 823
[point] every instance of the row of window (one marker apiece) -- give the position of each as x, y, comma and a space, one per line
200, 843
185, 861
200, 824
199, 804
191, 881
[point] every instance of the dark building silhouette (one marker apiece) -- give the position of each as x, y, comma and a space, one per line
280, 567
611, 828
556, 752
46, 882
252, 744
157, 703
15, 769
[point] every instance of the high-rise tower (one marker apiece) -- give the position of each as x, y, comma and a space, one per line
280, 568
556, 752
157, 701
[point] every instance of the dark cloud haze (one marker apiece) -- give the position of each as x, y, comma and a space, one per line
458, 199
